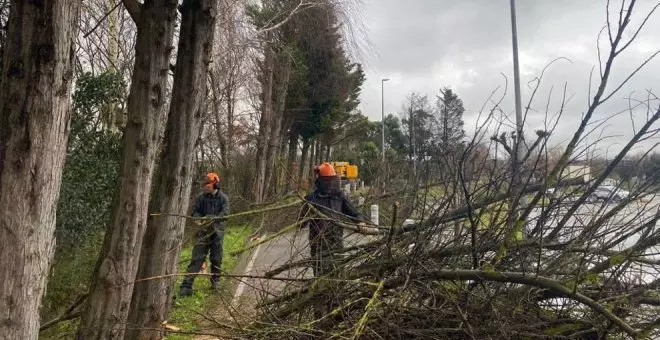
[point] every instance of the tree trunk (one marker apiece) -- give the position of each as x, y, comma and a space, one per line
318, 151
291, 161
264, 123
162, 242
274, 142
221, 134
302, 175
282, 154
231, 100
313, 161
106, 311
35, 87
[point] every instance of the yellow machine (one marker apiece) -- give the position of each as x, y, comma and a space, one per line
345, 170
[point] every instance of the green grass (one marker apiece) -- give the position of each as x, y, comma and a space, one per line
70, 277
185, 311
72, 272
544, 201
494, 214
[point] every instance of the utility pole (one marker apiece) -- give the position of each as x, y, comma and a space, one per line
516, 166
516, 86
412, 138
382, 113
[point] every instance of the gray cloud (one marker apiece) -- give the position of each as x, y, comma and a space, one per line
423, 45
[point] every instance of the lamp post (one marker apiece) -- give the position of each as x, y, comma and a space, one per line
516, 166
516, 86
382, 113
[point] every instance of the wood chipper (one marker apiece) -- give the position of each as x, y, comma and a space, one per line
348, 173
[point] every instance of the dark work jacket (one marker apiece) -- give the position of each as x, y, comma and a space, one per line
324, 233
212, 205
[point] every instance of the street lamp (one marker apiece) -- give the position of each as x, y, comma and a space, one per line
516, 166
516, 87
382, 113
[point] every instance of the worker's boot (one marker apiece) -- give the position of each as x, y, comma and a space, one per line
185, 291
215, 284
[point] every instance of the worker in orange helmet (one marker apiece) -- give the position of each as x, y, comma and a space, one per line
209, 209
325, 236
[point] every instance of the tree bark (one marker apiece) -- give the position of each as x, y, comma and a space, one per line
283, 76
162, 242
318, 147
35, 87
106, 311
230, 123
314, 160
282, 171
328, 151
221, 134
264, 122
291, 161
302, 175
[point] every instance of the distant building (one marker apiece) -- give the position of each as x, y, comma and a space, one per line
577, 170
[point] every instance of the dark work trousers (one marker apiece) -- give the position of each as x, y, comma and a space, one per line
208, 242
322, 242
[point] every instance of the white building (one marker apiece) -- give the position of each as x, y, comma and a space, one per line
575, 170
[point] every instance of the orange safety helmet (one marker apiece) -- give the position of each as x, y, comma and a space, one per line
211, 180
325, 170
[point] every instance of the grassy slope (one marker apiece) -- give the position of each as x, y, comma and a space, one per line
71, 274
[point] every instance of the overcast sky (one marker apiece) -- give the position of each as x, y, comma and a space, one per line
423, 45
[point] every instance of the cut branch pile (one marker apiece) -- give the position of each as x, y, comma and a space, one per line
419, 281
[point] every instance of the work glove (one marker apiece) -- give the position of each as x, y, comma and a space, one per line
199, 221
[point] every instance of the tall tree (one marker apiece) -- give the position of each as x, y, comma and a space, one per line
228, 77
160, 248
417, 117
394, 138
4, 16
265, 125
282, 77
35, 86
449, 119
331, 85
107, 307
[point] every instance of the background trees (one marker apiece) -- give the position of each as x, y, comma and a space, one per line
117, 129
317, 90
448, 120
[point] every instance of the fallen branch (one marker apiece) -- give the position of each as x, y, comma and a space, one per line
373, 303
69, 314
255, 277
226, 217
463, 212
270, 238
525, 279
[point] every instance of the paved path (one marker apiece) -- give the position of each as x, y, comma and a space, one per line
288, 248
249, 292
